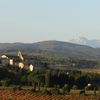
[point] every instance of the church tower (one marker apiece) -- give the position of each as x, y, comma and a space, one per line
20, 55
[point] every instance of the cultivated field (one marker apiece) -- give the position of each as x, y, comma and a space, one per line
28, 95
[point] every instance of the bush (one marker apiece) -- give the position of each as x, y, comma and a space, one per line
66, 89
16, 88
4, 82
75, 87
45, 91
82, 92
55, 91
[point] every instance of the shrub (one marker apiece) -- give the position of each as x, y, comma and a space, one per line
55, 91
4, 82
82, 92
75, 87
66, 89
16, 88
45, 91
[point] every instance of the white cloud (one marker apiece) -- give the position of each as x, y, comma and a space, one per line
84, 41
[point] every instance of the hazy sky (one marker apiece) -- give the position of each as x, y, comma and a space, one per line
37, 20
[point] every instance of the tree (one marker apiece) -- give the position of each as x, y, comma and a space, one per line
24, 79
47, 78
31, 79
35, 78
66, 89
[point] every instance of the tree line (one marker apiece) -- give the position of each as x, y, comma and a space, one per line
12, 75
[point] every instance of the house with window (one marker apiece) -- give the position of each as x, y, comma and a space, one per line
26, 62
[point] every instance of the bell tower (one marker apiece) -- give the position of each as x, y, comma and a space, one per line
20, 55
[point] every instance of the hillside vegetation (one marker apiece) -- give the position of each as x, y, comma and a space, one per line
52, 48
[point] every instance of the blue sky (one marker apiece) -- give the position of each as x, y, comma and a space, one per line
37, 20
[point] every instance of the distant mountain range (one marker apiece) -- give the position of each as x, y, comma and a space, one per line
52, 48
84, 41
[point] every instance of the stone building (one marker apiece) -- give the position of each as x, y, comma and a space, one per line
21, 61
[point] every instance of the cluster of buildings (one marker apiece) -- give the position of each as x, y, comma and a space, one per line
20, 61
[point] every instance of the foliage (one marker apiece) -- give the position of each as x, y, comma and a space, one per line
55, 91
11, 75
5, 82
45, 91
16, 88
66, 89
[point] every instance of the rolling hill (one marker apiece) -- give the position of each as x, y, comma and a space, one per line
52, 48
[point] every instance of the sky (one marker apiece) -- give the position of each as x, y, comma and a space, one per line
39, 20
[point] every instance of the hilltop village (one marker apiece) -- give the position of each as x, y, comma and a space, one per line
19, 60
